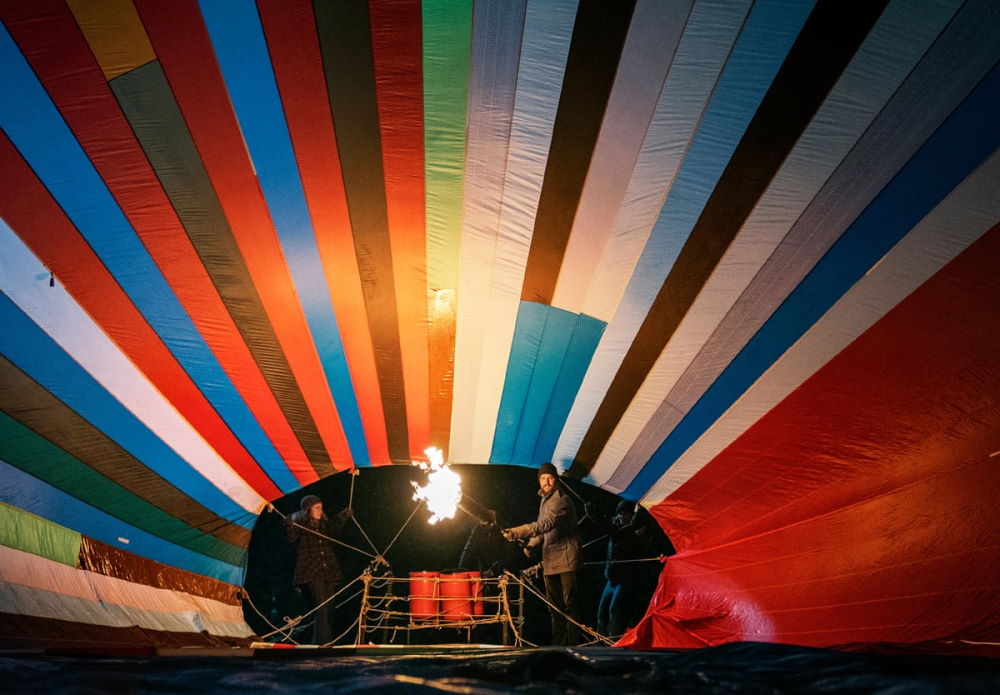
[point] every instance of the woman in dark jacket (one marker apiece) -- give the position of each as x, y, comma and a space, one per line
316, 566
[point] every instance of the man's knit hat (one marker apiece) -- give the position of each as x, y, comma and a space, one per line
308, 501
547, 468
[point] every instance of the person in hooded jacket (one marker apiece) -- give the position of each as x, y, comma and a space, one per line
625, 537
316, 568
557, 532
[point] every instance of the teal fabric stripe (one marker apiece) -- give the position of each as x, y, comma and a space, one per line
582, 345
528, 329
555, 341
550, 353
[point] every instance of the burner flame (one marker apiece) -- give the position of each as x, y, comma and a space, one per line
443, 490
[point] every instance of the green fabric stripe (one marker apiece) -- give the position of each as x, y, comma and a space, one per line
36, 456
447, 27
32, 534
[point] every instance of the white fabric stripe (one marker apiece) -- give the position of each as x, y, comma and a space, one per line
25, 280
548, 27
652, 39
966, 214
897, 42
492, 84
708, 37
33, 585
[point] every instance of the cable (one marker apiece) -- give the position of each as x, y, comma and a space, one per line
552, 606
623, 562
405, 524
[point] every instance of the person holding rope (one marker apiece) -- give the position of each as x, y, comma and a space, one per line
316, 566
557, 532
625, 542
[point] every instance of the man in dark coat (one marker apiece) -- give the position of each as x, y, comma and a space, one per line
316, 566
558, 533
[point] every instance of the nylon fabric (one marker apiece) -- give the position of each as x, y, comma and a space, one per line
236, 35
549, 356
184, 50
544, 47
74, 183
145, 98
102, 558
396, 50
66, 323
941, 236
599, 32
807, 72
33, 496
944, 161
56, 591
295, 56
710, 32
37, 456
920, 105
114, 32
33, 534
889, 581
855, 101
497, 27
345, 30
646, 56
446, 34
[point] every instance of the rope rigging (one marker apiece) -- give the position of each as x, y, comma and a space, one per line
376, 610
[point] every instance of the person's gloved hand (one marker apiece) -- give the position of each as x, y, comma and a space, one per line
348, 513
522, 531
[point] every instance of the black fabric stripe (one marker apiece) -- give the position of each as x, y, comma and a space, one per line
30, 404
149, 106
345, 43
599, 34
828, 40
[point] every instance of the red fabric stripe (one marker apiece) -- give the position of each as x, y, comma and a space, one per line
397, 50
181, 42
62, 59
45, 229
863, 506
298, 67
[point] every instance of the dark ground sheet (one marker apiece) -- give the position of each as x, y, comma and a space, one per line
733, 668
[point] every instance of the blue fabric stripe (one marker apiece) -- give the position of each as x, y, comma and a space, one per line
555, 340
764, 41
26, 492
36, 354
962, 142
549, 356
36, 128
236, 34
583, 344
528, 329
